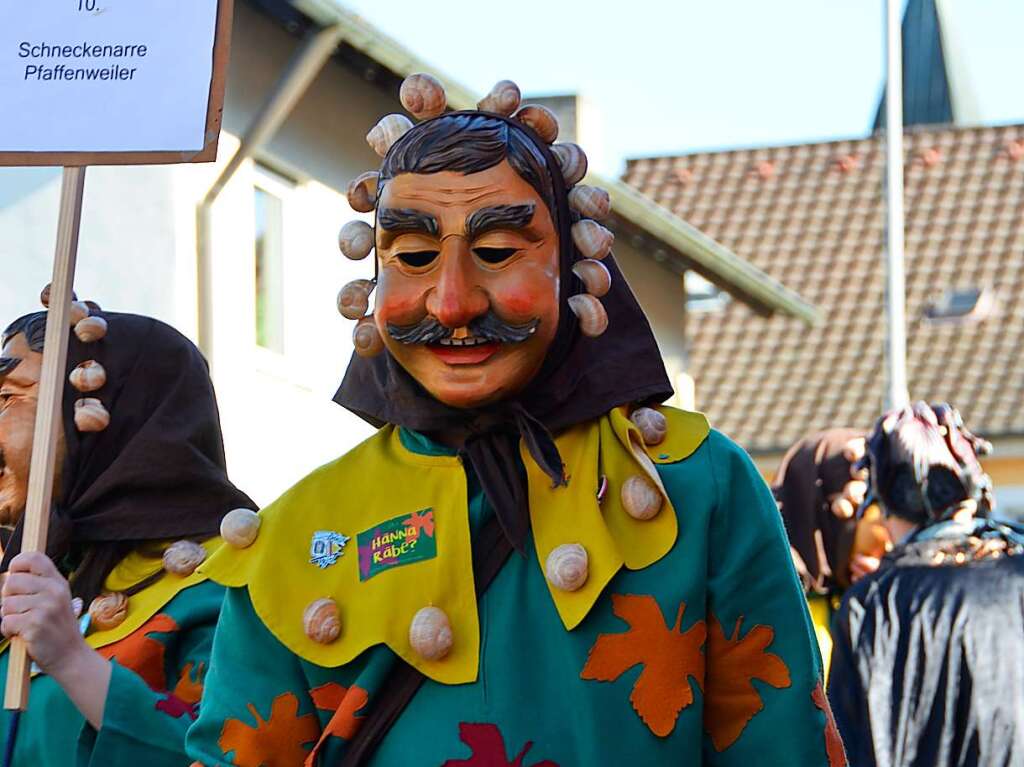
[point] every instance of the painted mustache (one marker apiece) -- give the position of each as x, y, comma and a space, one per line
487, 327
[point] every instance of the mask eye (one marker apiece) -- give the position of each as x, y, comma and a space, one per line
494, 255
418, 258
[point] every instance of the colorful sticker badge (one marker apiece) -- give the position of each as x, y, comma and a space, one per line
399, 541
326, 547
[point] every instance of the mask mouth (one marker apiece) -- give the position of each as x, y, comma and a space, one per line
485, 329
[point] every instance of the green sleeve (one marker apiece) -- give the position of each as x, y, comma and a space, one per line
763, 702
145, 718
256, 705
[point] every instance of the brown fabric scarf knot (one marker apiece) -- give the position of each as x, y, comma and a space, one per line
492, 450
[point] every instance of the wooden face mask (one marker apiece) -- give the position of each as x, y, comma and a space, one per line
469, 256
468, 284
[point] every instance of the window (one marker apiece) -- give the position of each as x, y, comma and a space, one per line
702, 296
960, 305
268, 252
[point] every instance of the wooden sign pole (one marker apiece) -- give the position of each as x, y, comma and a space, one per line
48, 414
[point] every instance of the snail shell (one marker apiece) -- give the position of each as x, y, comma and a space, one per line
356, 240
91, 329
541, 120
366, 338
90, 415
362, 191
590, 201
640, 498
44, 295
592, 240
651, 423
79, 311
595, 276
108, 610
88, 376
183, 557
239, 527
854, 450
856, 490
503, 99
77, 605
572, 160
567, 566
354, 299
592, 316
843, 508
321, 621
386, 132
430, 633
423, 96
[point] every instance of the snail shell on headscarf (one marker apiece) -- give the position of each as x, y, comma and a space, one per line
572, 160
239, 527
854, 450
386, 132
366, 338
362, 191
356, 240
592, 240
91, 329
595, 276
430, 633
183, 557
567, 567
321, 621
593, 318
590, 201
44, 295
108, 610
652, 425
88, 376
90, 415
423, 96
503, 99
640, 498
856, 490
79, 311
354, 299
843, 508
541, 120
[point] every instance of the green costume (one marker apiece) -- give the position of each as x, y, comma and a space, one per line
160, 655
670, 653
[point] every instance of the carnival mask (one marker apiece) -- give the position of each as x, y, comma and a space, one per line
469, 258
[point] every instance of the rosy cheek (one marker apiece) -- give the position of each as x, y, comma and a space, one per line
400, 299
525, 299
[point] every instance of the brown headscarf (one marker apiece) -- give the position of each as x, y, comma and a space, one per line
813, 472
157, 472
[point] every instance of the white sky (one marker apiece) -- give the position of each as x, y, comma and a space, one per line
672, 76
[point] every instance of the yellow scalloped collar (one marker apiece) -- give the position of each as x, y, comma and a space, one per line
381, 480
142, 606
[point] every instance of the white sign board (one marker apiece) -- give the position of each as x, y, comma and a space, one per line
109, 76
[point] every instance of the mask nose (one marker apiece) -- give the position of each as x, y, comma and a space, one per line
455, 300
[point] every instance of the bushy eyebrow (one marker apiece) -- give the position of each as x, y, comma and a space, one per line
406, 220
7, 364
499, 217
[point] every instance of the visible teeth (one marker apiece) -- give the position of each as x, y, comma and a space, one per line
462, 341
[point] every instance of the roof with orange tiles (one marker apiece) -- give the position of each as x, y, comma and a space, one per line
812, 217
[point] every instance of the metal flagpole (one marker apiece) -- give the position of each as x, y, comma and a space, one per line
897, 393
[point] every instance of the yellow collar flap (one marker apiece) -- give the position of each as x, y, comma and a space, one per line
143, 605
383, 532
604, 457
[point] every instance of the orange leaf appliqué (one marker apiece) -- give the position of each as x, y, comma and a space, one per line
279, 741
669, 657
730, 700
833, 743
344, 702
142, 654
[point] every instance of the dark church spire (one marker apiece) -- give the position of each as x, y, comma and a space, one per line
926, 76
